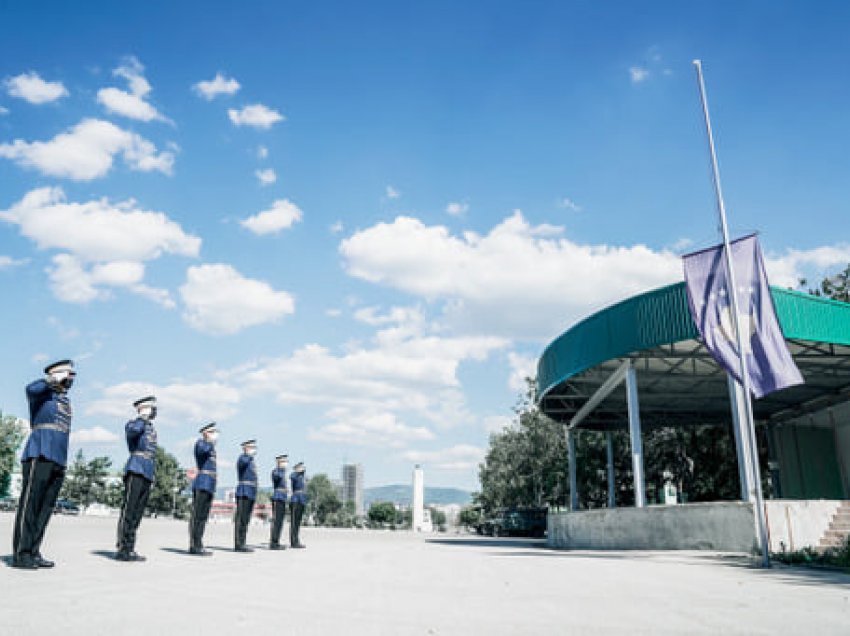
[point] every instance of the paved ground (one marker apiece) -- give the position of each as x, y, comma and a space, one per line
361, 582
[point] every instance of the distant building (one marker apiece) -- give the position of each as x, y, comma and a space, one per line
352, 486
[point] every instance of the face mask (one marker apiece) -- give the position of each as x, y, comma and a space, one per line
67, 383
149, 412
212, 438
251, 452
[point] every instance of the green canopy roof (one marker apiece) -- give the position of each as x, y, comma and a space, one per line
650, 325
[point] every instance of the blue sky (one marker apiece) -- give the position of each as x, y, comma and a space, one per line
356, 241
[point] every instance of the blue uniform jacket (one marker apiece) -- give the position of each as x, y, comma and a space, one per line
281, 489
141, 442
247, 472
299, 488
50, 420
207, 469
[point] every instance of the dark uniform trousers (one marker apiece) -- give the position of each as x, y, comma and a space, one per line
244, 507
279, 511
201, 504
42, 481
137, 489
295, 523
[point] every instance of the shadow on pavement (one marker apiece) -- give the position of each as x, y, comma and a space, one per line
106, 554
179, 551
484, 542
7, 559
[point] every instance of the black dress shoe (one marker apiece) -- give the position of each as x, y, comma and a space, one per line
199, 552
298, 546
24, 563
243, 548
277, 546
41, 562
135, 556
122, 555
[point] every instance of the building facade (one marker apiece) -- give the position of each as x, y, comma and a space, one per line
352, 486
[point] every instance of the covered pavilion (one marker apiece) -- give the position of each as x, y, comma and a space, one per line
640, 363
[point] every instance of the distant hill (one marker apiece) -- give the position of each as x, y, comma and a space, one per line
400, 494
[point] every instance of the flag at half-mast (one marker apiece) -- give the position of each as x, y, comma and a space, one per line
768, 360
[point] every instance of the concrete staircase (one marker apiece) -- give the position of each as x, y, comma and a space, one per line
839, 528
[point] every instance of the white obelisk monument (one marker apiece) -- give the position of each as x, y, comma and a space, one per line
418, 499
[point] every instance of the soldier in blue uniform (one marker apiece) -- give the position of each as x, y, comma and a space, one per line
246, 494
279, 497
299, 501
138, 476
203, 488
44, 460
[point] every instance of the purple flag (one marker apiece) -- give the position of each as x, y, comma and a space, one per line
769, 362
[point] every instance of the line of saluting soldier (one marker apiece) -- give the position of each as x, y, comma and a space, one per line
46, 456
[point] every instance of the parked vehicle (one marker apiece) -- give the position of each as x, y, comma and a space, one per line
65, 507
515, 522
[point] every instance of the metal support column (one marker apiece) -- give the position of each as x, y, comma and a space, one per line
571, 450
634, 434
742, 439
612, 495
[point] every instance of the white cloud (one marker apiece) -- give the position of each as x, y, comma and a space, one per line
385, 393
87, 152
333, 312
30, 87
336, 227
518, 280
392, 193
219, 300
255, 115
4, 110
96, 435
98, 230
457, 209
456, 458
368, 429
569, 204
522, 367
130, 104
7, 262
496, 423
104, 244
219, 85
262, 152
177, 403
282, 215
638, 74
786, 270
266, 177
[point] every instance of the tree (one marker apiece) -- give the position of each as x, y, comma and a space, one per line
323, 499
438, 519
469, 516
11, 435
836, 287
382, 512
85, 482
526, 464
168, 494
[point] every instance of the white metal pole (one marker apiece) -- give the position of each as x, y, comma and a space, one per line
761, 522
612, 493
635, 437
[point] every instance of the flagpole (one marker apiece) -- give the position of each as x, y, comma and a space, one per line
761, 521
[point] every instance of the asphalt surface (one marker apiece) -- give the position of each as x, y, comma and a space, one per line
394, 583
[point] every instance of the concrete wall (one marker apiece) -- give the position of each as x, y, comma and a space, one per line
723, 526
798, 524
